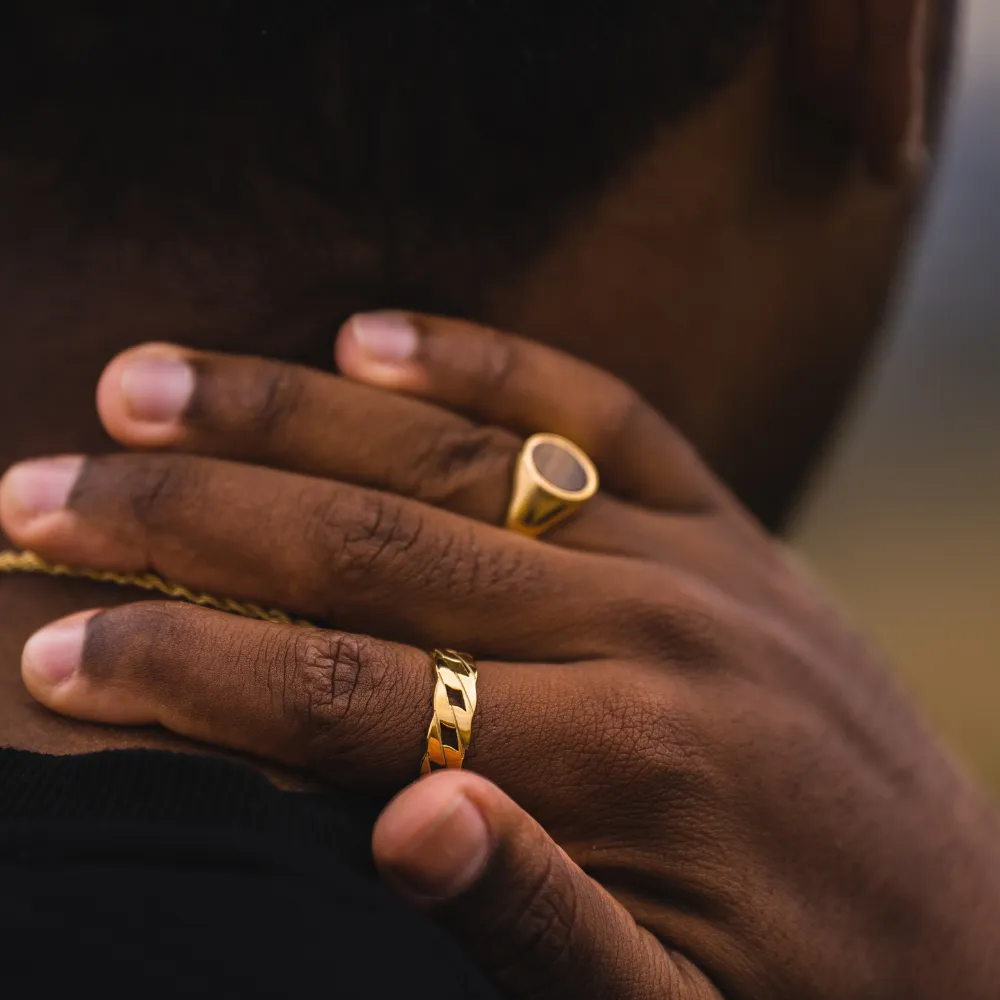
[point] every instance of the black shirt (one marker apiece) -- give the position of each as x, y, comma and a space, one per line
148, 874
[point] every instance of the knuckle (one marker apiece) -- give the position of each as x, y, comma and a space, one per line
152, 487
143, 486
654, 743
655, 747
461, 459
332, 666
685, 628
365, 533
342, 684
370, 541
457, 563
504, 572
384, 534
269, 401
155, 487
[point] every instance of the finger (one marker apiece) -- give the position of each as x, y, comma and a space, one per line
365, 561
291, 417
501, 379
893, 89
456, 845
348, 707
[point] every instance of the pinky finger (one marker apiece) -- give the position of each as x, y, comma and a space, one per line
508, 381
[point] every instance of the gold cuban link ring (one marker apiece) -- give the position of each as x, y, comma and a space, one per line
450, 731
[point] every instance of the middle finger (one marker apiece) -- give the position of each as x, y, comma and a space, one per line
356, 558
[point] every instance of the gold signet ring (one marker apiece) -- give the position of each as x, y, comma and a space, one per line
552, 479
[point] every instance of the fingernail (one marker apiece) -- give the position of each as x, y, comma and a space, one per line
435, 846
52, 655
386, 337
42, 485
157, 390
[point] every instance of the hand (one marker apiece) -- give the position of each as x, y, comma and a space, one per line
744, 805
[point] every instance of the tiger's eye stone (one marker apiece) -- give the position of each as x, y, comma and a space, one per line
559, 467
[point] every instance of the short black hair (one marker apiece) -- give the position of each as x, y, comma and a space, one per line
415, 117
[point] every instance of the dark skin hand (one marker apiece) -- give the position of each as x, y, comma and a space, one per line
635, 290
747, 806
744, 805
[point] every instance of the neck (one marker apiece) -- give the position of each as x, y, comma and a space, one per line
71, 301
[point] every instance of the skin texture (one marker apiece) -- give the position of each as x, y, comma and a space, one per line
745, 805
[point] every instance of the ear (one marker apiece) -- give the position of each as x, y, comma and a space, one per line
863, 63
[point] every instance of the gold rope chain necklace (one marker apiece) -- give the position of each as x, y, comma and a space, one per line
30, 562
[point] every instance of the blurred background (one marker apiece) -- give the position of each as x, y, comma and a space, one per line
903, 525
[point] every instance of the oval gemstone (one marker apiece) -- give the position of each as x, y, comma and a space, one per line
559, 467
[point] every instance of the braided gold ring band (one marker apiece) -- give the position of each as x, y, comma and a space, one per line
450, 731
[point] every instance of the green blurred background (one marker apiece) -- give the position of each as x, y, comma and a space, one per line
903, 525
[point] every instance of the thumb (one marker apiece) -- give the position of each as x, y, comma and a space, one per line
536, 923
